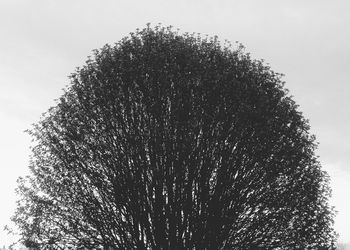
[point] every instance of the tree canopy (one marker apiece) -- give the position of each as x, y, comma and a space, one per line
174, 141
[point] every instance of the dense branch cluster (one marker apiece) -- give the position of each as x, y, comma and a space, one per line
168, 141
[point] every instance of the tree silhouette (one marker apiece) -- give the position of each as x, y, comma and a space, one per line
169, 141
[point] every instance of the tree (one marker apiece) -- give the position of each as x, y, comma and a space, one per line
169, 141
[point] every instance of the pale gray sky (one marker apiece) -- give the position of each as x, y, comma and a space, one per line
43, 41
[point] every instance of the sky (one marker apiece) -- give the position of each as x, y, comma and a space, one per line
43, 41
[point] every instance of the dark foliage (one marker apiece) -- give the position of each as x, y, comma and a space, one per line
169, 141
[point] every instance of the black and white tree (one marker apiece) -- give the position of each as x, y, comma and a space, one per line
174, 141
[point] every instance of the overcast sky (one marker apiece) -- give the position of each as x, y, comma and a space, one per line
43, 41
